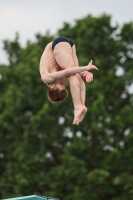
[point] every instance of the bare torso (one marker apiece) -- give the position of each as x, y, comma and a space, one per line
48, 63
63, 56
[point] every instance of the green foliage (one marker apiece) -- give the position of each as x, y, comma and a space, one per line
41, 152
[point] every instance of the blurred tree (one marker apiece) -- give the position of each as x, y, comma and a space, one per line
41, 152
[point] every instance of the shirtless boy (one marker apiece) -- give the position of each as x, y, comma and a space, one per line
58, 65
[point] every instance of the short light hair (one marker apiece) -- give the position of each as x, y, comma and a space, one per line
56, 95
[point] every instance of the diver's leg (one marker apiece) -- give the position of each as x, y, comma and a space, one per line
63, 56
79, 111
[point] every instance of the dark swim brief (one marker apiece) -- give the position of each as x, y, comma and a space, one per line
62, 39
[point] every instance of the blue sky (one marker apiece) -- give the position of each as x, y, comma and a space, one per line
29, 17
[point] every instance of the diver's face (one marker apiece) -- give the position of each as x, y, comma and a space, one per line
58, 86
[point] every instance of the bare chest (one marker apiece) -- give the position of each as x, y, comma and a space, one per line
48, 63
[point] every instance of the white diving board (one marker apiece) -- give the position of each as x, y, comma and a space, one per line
32, 197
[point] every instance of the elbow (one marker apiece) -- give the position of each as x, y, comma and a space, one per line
42, 78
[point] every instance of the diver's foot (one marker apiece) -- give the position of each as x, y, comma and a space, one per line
79, 114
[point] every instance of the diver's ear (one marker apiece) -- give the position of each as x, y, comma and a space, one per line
51, 86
